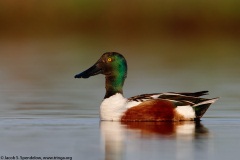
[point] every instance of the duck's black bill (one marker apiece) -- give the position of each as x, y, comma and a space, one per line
92, 71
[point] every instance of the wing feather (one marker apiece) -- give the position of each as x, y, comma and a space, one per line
180, 99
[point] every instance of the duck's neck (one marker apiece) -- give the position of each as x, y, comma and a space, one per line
113, 85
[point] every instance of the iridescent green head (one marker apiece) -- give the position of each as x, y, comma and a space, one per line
114, 66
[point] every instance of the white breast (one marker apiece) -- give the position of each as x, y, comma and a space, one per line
112, 108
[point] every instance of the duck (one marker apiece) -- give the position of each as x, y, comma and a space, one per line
166, 106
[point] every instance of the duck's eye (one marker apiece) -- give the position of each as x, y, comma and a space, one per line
109, 59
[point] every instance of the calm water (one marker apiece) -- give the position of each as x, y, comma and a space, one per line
45, 112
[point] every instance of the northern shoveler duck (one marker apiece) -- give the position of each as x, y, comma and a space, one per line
168, 106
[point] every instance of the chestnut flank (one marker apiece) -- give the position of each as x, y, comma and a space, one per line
152, 110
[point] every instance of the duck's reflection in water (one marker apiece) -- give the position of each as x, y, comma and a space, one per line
167, 129
115, 135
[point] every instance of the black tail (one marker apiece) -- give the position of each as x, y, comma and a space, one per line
202, 107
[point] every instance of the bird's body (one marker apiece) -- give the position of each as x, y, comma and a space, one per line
168, 106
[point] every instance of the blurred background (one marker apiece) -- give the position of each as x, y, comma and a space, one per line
169, 45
